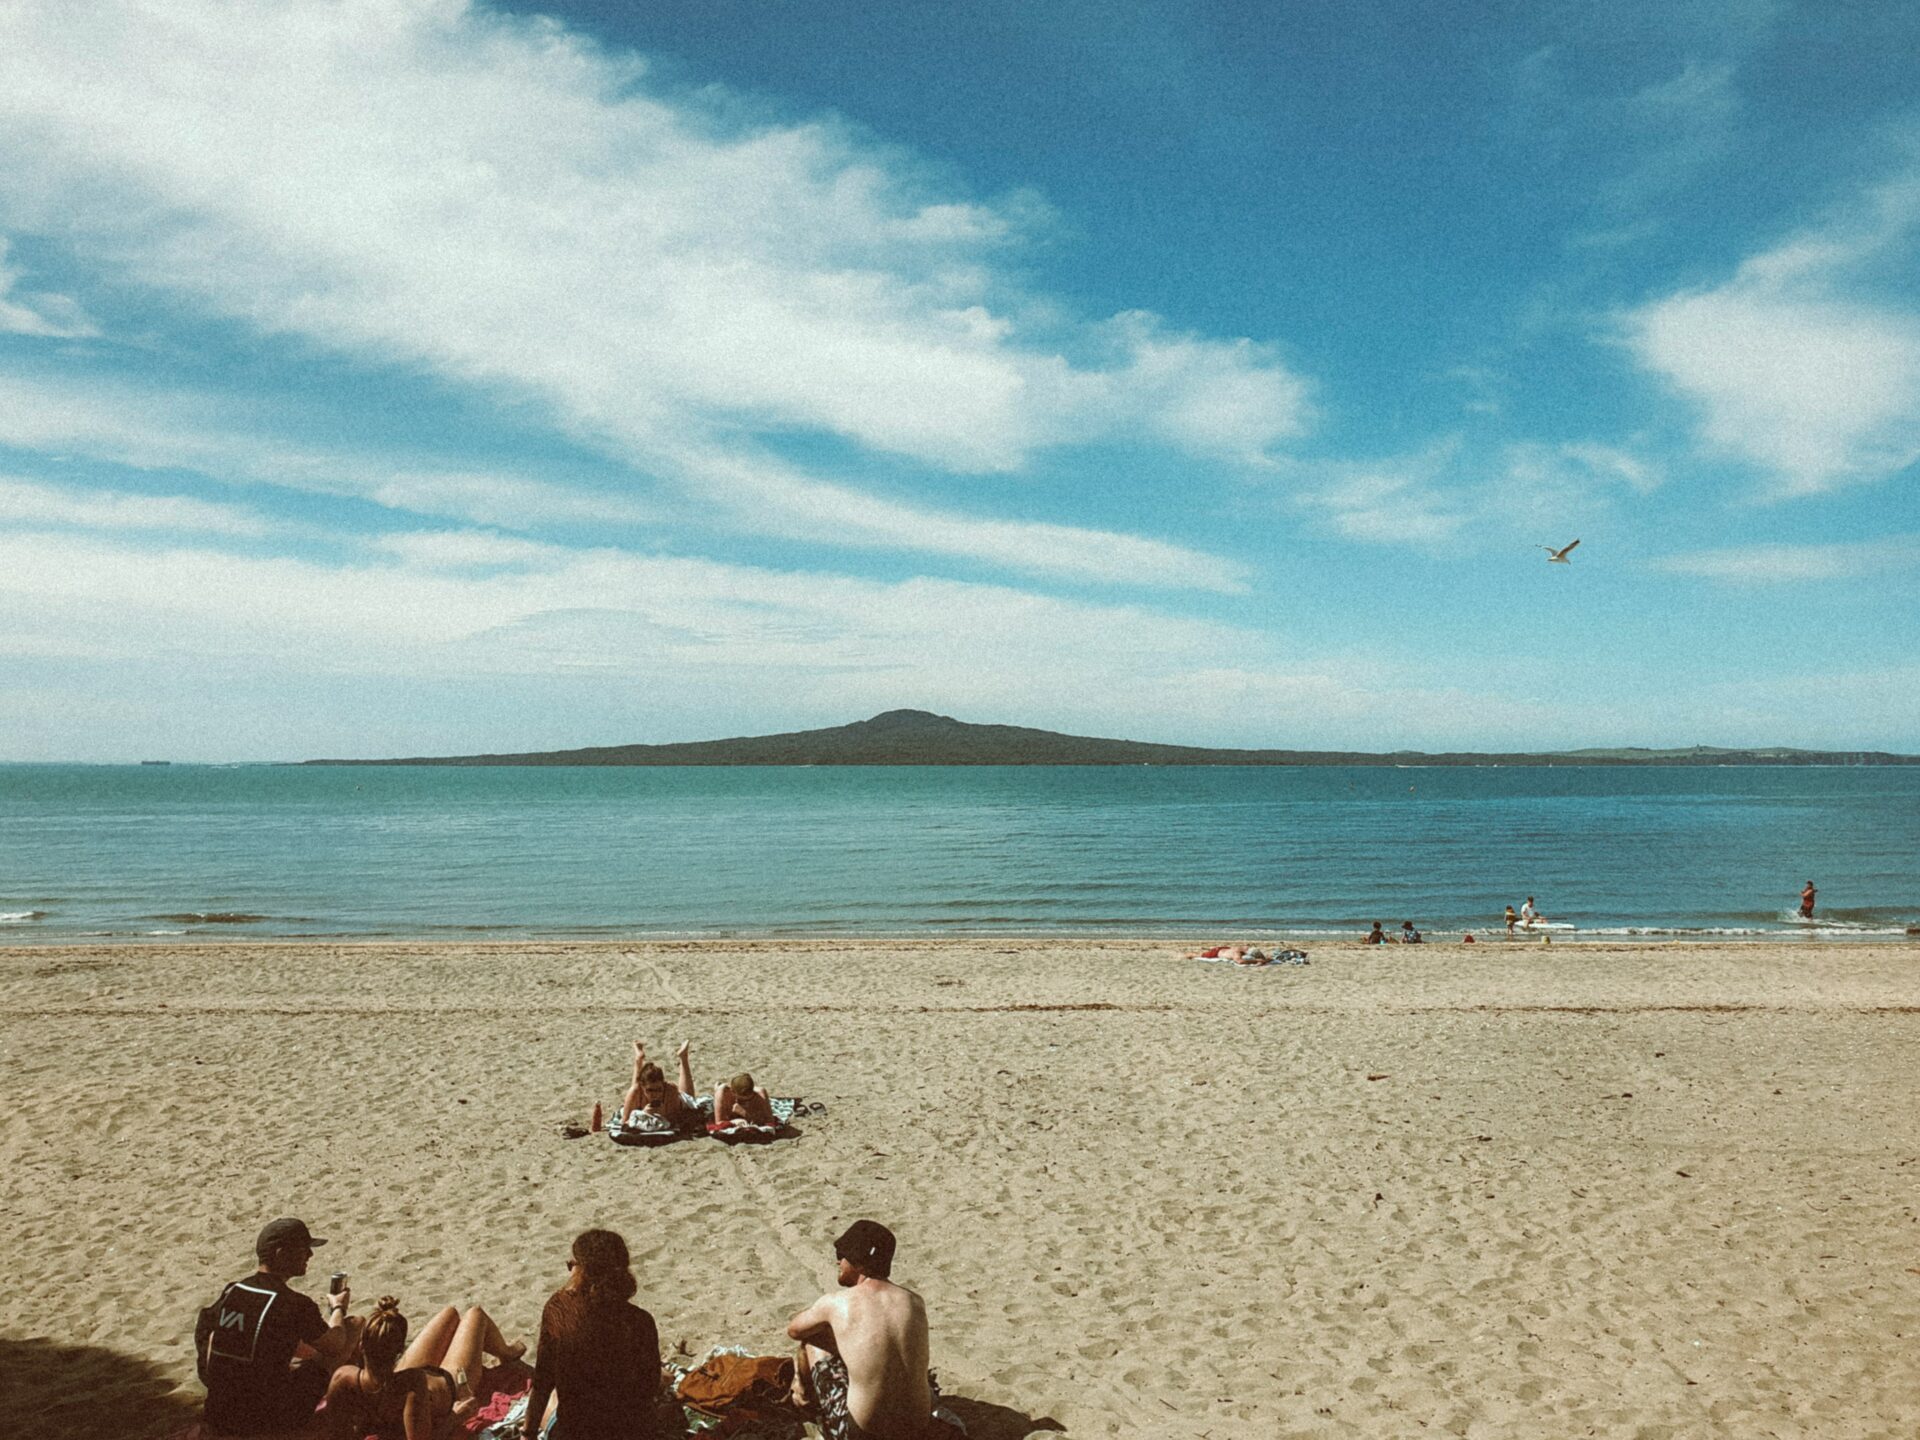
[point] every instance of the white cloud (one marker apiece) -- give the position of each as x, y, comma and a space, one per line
424, 591
26, 503
686, 639
1227, 398
1792, 564
1444, 494
216, 436
500, 203
173, 429
40, 313
1800, 364
1394, 500
770, 496
469, 550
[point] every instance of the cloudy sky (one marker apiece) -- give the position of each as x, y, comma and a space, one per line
419, 376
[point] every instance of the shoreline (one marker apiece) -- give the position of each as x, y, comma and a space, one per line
1529, 1191
17, 936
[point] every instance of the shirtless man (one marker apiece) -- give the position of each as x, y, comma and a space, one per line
863, 1348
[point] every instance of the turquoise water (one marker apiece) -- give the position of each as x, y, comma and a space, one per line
207, 850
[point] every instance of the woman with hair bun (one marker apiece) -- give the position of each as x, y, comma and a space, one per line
418, 1391
599, 1353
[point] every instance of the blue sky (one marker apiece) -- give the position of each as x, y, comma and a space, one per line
413, 376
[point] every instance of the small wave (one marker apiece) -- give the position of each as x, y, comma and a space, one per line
163, 932
213, 917
20, 917
1753, 930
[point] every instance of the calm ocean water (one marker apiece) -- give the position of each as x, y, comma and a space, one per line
267, 850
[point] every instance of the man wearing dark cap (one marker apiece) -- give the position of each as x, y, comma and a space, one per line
863, 1348
263, 1351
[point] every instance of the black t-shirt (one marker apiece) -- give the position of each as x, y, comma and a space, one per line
246, 1340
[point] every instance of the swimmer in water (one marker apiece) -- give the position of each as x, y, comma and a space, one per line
1806, 901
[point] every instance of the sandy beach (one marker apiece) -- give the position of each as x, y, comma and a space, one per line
1500, 1190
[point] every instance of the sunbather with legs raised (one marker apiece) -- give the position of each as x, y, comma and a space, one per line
650, 1092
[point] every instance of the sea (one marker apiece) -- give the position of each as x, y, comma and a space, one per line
157, 852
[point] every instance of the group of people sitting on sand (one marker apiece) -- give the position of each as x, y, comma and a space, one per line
273, 1364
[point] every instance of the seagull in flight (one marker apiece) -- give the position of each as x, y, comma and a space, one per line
1559, 557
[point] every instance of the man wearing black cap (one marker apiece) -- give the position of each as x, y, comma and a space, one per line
263, 1351
863, 1348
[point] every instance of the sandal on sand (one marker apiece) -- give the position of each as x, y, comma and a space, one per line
570, 1130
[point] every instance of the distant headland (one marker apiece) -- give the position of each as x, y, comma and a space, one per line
918, 737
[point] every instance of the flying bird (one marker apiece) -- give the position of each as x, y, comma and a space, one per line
1559, 557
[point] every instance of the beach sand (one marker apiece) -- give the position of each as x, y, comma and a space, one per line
1500, 1190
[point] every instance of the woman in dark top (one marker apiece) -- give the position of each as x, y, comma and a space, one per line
599, 1352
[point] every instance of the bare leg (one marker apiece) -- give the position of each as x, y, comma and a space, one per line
477, 1335
430, 1341
803, 1396
686, 1070
636, 1096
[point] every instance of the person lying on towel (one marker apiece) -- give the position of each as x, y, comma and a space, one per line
862, 1364
650, 1093
741, 1099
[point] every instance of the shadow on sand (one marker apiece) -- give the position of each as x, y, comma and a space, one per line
996, 1422
81, 1392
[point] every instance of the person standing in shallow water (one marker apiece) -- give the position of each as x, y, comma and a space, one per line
1806, 901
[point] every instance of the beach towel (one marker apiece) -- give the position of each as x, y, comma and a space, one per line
739, 1132
640, 1128
1277, 957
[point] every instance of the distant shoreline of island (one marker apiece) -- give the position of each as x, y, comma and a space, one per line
918, 737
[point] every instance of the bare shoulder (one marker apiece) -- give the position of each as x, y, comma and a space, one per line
898, 1300
829, 1310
